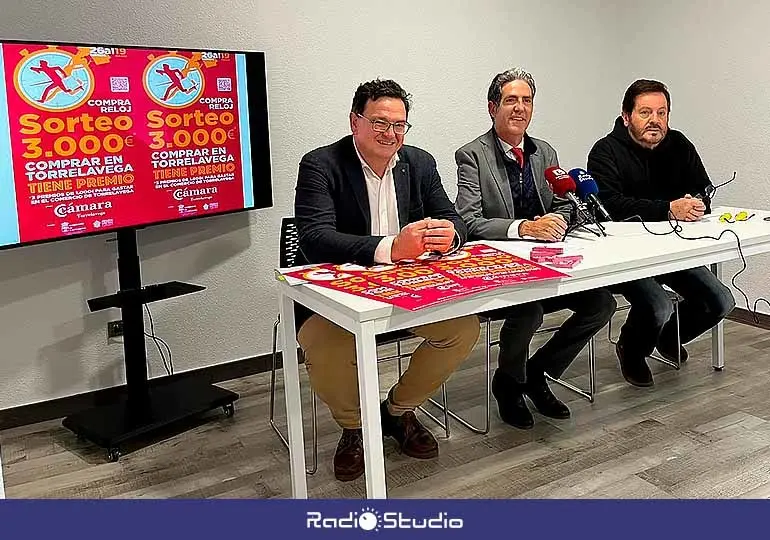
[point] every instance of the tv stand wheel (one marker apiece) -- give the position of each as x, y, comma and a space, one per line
113, 454
229, 410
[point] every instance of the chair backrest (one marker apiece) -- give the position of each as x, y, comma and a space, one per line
289, 242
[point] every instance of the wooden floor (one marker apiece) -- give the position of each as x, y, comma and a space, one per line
697, 434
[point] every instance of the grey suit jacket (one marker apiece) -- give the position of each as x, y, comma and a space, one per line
484, 199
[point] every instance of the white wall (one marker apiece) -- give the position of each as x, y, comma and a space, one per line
714, 57
444, 53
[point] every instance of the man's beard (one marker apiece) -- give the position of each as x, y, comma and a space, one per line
639, 135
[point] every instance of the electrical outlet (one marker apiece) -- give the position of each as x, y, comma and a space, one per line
114, 329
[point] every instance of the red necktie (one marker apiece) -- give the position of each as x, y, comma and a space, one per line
519, 153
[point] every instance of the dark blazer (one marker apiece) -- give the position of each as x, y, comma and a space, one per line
331, 204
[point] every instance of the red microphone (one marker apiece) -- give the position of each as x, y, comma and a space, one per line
562, 184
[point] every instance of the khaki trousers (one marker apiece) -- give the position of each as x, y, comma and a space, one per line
330, 360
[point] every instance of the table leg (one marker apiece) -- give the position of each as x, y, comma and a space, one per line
718, 332
369, 393
293, 400
2, 482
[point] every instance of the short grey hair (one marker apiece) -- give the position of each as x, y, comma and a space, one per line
495, 93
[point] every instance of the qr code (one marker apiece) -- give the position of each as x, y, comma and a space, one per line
224, 84
119, 84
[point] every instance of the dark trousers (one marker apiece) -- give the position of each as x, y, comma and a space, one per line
591, 311
706, 301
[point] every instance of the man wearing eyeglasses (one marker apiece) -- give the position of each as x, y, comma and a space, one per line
369, 199
502, 194
648, 172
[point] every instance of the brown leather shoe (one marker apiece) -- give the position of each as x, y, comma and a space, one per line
349, 457
413, 438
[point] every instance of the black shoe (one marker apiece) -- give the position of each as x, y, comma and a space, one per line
668, 351
544, 400
510, 401
634, 368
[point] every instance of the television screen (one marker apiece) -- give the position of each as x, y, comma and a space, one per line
95, 137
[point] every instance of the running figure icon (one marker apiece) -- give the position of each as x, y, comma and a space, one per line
56, 76
176, 78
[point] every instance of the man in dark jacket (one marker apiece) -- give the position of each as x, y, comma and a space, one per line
368, 199
646, 171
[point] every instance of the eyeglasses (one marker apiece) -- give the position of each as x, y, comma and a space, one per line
381, 126
727, 217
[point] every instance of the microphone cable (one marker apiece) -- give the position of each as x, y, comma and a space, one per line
714, 191
676, 228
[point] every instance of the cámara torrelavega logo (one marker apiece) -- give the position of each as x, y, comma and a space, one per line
186, 193
65, 209
369, 519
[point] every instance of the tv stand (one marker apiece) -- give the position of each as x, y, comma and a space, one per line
143, 408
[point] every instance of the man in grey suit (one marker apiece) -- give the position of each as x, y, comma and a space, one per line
502, 194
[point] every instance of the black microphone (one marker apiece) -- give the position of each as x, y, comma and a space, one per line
587, 190
706, 196
708, 192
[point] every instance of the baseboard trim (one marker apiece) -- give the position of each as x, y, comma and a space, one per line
745, 316
59, 408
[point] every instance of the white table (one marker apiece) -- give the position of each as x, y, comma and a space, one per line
627, 253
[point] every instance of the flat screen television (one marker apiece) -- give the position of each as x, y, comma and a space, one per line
95, 137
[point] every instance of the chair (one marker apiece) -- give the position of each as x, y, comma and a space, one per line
289, 245
587, 394
487, 386
675, 299
288, 253
590, 393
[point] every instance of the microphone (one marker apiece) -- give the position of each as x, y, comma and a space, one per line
564, 186
706, 196
587, 190
707, 192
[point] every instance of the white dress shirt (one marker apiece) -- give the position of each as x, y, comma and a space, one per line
383, 207
513, 229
